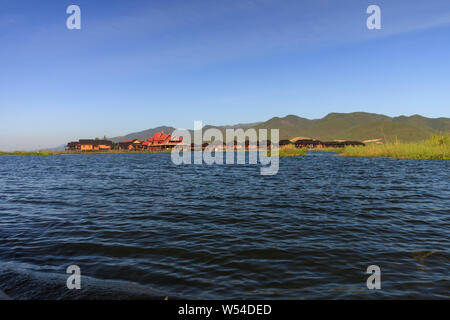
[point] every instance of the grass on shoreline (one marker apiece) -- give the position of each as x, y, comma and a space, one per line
291, 151
284, 151
436, 147
25, 153
56, 153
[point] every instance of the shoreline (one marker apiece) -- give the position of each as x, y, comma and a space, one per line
339, 153
436, 147
283, 152
57, 153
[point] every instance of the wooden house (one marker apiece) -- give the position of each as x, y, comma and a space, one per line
311, 143
90, 145
307, 143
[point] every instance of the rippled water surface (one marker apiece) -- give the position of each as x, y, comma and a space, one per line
140, 227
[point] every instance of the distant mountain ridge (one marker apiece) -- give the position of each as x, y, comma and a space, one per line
359, 126
336, 126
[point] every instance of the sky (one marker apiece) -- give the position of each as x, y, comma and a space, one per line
136, 65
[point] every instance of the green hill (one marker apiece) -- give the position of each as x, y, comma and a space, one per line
336, 126
358, 126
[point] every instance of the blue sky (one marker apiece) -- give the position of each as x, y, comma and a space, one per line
135, 65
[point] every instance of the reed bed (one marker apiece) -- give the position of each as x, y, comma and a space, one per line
55, 153
436, 147
25, 153
291, 151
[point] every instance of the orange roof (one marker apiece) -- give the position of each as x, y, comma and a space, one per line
160, 137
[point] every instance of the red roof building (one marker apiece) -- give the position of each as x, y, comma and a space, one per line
160, 140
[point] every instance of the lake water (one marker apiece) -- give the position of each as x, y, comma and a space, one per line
140, 227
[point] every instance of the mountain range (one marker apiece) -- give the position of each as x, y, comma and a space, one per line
359, 126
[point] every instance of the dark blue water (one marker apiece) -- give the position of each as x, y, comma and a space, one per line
140, 227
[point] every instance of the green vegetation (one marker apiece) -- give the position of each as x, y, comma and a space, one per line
55, 153
291, 151
24, 153
436, 147
358, 126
